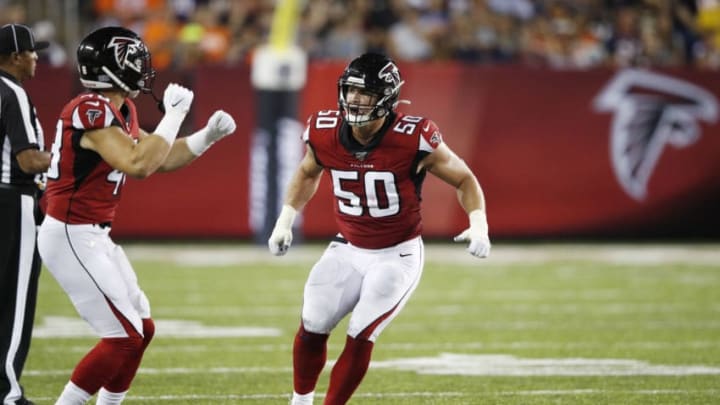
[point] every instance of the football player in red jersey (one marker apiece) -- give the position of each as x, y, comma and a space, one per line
98, 142
377, 159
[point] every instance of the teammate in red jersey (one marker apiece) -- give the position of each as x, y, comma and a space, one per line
98, 142
377, 159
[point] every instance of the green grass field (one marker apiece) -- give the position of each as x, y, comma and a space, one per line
533, 324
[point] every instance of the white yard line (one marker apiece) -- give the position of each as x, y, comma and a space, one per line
479, 365
68, 327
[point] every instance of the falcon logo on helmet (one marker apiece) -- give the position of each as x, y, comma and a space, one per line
390, 74
125, 47
651, 111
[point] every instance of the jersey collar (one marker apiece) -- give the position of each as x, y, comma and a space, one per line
353, 146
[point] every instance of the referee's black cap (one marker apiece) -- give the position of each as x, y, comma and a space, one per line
18, 38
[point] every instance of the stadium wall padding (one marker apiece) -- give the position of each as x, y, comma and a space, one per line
561, 154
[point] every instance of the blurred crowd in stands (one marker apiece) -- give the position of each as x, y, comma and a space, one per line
560, 34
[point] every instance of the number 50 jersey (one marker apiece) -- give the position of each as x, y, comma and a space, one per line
377, 187
82, 188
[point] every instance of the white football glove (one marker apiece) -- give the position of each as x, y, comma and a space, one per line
177, 101
281, 236
177, 98
220, 125
477, 235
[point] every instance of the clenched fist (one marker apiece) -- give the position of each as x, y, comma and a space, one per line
220, 125
177, 98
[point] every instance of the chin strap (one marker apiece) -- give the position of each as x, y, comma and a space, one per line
159, 102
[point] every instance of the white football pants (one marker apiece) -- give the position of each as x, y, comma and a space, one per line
96, 275
373, 284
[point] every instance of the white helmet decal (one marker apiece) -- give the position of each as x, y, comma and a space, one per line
390, 74
125, 46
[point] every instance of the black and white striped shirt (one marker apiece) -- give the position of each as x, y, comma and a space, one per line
19, 130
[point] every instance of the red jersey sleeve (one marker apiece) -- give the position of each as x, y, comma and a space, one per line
430, 136
92, 113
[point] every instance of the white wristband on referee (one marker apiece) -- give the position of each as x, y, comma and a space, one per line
169, 126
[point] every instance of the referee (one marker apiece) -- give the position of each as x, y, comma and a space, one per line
23, 163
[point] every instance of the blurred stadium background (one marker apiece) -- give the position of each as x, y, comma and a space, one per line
587, 122
554, 33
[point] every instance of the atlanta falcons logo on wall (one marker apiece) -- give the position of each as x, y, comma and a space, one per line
124, 47
650, 111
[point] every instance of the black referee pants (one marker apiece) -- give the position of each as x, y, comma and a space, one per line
19, 272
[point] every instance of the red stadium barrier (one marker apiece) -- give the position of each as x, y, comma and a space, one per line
559, 154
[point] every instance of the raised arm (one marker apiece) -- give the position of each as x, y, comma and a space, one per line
187, 149
143, 158
138, 160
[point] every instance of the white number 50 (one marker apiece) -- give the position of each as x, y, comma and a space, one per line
375, 185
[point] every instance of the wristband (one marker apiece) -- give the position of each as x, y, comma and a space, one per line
197, 142
286, 217
478, 221
169, 126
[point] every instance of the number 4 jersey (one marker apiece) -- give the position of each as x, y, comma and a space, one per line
377, 187
82, 188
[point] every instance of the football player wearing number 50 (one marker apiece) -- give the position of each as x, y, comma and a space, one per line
377, 159
98, 143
